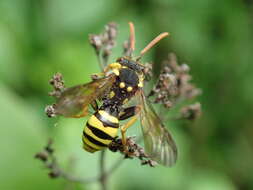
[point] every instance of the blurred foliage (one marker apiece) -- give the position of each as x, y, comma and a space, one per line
39, 38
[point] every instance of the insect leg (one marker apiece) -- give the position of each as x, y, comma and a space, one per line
134, 111
127, 113
94, 105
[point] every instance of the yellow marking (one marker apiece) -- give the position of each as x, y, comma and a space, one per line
89, 132
121, 113
108, 117
115, 65
91, 150
116, 71
141, 79
129, 89
125, 101
112, 94
122, 85
85, 140
125, 127
93, 121
124, 67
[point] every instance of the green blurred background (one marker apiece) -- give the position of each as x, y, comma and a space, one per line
39, 38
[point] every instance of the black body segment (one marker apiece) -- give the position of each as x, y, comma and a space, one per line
99, 133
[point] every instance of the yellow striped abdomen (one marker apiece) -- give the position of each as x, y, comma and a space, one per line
100, 130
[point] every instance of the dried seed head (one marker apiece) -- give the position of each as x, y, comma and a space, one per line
147, 71
174, 83
132, 150
49, 148
57, 81
191, 112
111, 30
96, 42
53, 174
43, 156
104, 42
50, 110
58, 84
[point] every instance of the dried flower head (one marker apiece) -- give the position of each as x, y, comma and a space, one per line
58, 84
191, 112
104, 42
174, 83
131, 150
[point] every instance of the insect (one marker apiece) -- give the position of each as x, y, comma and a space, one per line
118, 83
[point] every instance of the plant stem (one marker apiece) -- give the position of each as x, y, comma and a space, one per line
103, 176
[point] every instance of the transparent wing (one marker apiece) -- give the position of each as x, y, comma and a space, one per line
75, 99
158, 142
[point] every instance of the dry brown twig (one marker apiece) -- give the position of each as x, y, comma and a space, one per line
173, 86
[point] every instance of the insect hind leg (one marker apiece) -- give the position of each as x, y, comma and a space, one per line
129, 112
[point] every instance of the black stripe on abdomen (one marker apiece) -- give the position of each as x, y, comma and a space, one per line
105, 121
92, 148
94, 141
99, 133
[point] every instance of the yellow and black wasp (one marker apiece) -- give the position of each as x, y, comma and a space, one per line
119, 82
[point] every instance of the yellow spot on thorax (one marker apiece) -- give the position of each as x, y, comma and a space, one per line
112, 94
129, 89
122, 85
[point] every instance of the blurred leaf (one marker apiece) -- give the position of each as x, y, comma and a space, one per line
22, 135
207, 180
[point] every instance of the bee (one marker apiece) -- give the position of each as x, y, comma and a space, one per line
118, 83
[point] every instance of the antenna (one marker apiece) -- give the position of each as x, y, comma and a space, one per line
153, 42
132, 37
